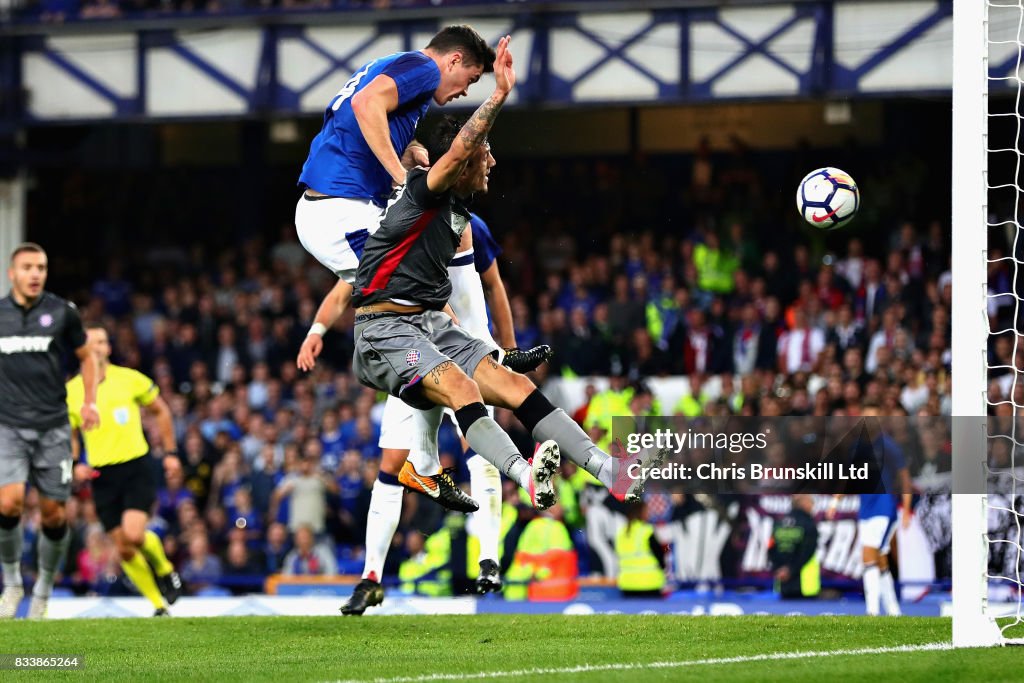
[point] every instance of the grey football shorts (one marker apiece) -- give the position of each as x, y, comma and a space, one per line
394, 352
40, 457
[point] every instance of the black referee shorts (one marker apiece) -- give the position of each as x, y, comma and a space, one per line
124, 486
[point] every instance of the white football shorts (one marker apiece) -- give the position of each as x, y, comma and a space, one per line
876, 532
334, 230
403, 427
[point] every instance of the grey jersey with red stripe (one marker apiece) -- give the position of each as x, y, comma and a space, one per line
406, 260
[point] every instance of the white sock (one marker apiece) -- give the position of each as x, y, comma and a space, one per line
423, 454
485, 487
871, 589
425, 463
524, 475
889, 599
381, 522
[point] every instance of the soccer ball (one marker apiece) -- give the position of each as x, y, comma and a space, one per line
827, 198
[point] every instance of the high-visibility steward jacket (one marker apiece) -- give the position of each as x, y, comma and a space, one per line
715, 269
604, 406
638, 567
429, 572
545, 566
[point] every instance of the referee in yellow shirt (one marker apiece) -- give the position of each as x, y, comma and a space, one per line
123, 485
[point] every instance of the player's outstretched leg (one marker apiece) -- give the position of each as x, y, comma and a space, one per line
11, 539
494, 445
422, 471
624, 477
446, 384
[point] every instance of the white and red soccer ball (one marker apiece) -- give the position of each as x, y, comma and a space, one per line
827, 198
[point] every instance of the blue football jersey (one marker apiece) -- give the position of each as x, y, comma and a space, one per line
877, 505
890, 458
485, 249
340, 163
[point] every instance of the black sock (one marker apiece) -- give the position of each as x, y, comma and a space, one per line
55, 533
386, 478
532, 410
7, 522
468, 414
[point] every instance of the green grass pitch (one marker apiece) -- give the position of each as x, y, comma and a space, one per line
599, 648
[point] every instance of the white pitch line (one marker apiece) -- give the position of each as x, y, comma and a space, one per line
588, 668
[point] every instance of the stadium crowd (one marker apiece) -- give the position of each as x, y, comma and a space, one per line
713, 280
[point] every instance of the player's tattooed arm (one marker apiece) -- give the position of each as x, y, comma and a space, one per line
474, 131
445, 171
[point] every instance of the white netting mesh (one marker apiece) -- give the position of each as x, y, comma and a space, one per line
1005, 358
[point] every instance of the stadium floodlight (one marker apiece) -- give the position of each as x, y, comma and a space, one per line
984, 32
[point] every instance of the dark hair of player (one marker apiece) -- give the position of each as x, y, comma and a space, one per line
466, 40
27, 248
438, 135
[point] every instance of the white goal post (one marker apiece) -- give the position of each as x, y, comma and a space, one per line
974, 624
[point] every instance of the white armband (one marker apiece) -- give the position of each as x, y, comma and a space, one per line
317, 328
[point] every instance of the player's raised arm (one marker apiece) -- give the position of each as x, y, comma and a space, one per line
371, 107
447, 169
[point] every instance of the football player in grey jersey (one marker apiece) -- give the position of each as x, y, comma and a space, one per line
37, 328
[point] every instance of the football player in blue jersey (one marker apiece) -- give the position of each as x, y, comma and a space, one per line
407, 435
367, 132
876, 520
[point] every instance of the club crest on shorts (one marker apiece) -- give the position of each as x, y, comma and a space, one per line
412, 357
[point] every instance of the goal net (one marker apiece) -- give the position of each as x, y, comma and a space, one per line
988, 327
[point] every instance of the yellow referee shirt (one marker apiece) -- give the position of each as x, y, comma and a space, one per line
119, 438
